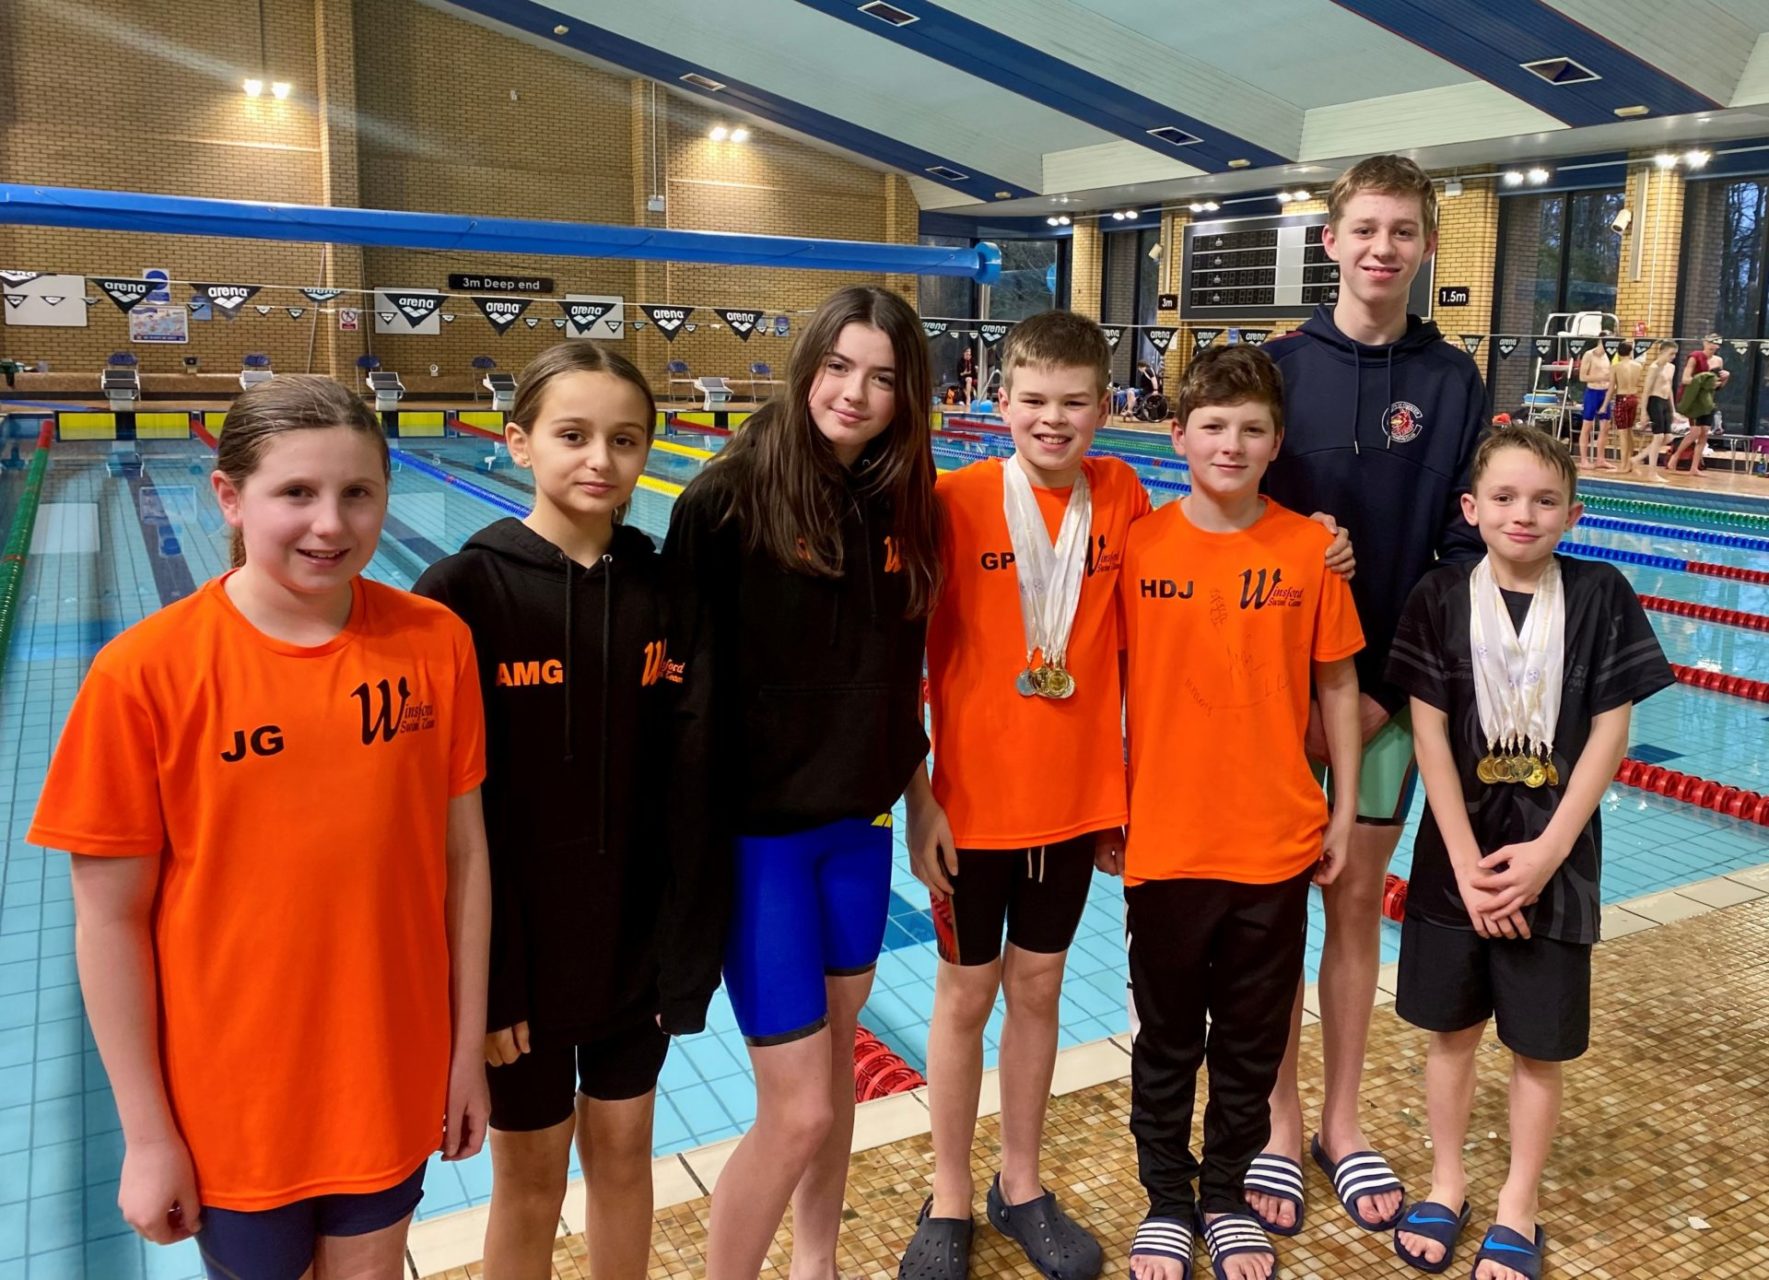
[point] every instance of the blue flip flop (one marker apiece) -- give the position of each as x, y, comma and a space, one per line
1510, 1249
1233, 1234
1436, 1223
1362, 1173
1280, 1178
1169, 1238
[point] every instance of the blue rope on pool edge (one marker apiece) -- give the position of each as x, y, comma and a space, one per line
1710, 537
465, 486
1590, 551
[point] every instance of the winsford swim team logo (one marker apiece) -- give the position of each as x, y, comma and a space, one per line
382, 720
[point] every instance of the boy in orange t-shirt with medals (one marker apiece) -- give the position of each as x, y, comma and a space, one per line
1228, 611
1028, 786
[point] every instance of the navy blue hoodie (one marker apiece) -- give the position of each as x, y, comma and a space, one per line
1382, 439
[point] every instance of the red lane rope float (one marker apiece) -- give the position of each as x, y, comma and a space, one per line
1707, 612
878, 1071
455, 422
1736, 574
1721, 682
1704, 793
200, 431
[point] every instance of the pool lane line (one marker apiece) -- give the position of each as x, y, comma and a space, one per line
18, 539
1706, 612
1722, 682
1650, 560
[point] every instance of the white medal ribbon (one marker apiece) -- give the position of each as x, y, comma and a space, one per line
1050, 577
1517, 677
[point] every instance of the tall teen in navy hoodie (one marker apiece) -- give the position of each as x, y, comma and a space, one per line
603, 945
803, 565
1382, 418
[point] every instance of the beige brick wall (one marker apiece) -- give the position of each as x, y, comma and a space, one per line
1652, 299
398, 105
1467, 246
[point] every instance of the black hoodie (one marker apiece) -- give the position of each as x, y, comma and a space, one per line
595, 927
803, 699
1382, 439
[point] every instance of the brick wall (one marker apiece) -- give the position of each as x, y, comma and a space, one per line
1652, 299
1467, 247
398, 105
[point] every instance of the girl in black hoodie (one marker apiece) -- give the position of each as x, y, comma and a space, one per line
602, 945
802, 565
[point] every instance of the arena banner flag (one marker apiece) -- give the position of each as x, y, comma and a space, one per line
668, 319
501, 313
1763, 348
934, 328
615, 326
1506, 346
1577, 346
13, 279
262, 309
127, 294
690, 327
558, 322
531, 321
1471, 342
740, 322
1611, 346
1114, 335
1254, 337
295, 313
1741, 346
583, 315
1543, 347
1201, 338
992, 332
226, 298
320, 296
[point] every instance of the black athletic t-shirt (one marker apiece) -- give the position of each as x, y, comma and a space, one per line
1612, 659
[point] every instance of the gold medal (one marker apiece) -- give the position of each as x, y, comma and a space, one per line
1484, 770
1553, 775
1536, 776
1058, 683
1509, 769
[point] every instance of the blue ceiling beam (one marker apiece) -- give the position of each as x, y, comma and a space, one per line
1494, 38
999, 59
737, 95
323, 224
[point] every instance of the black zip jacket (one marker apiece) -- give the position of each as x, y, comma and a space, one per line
803, 696
1382, 439
594, 927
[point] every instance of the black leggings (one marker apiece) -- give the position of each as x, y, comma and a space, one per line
1658, 412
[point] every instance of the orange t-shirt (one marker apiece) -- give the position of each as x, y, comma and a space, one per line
1009, 771
1222, 629
298, 799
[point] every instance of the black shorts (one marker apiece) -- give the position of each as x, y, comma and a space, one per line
538, 1090
279, 1244
1038, 893
1658, 409
1537, 989
1702, 420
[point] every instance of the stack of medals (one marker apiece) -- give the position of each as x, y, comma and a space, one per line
1049, 579
1517, 678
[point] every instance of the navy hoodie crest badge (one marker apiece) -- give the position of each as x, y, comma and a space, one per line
1402, 422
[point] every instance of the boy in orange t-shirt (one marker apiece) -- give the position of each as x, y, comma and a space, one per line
1028, 784
1228, 611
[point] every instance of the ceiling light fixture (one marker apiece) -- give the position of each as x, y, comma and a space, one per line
740, 134
1284, 197
1538, 175
254, 88
1628, 113
1513, 177
1695, 159
1453, 187
1665, 160
561, 29
280, 90
718, 133
1299, 195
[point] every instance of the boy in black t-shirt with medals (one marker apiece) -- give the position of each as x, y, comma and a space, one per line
1522, 669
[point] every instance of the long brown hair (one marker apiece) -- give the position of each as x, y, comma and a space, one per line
578, 355
287, 402
792, 504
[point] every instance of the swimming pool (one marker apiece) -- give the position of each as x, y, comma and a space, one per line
109, 549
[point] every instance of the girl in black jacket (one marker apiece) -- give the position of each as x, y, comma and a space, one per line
602, 945
803, 565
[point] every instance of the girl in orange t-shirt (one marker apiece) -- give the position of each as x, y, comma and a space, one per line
270, 790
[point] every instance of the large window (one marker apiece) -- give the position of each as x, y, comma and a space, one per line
1721, 289
1557, 254
1030, 279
